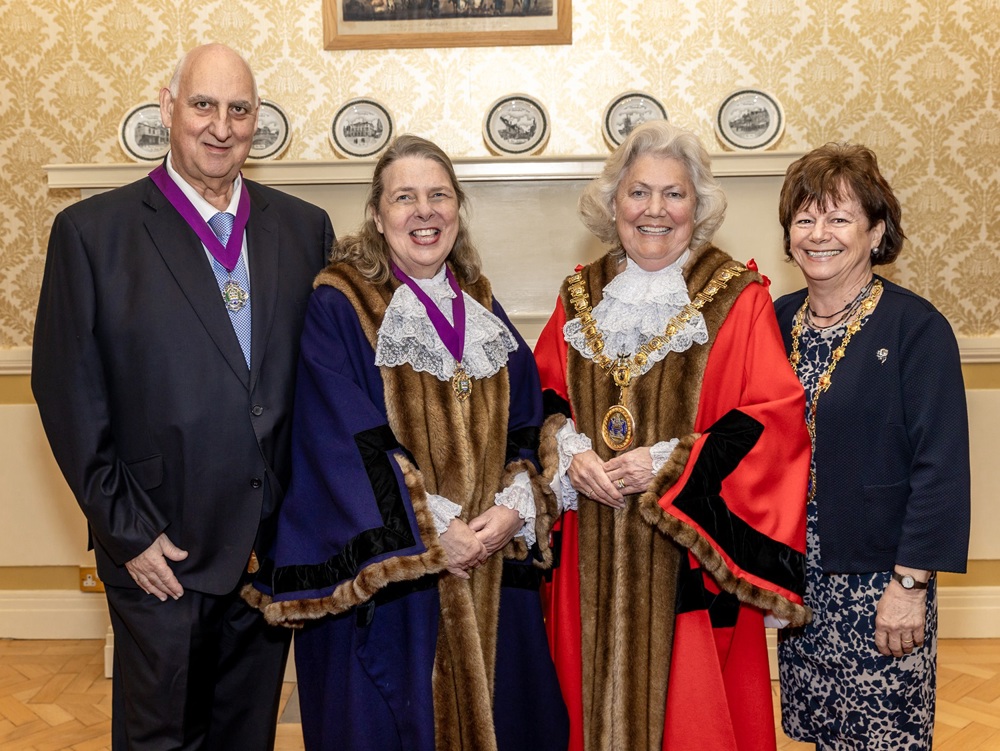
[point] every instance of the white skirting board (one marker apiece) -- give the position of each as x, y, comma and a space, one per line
963, 612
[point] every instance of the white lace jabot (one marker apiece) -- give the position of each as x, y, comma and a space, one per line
408, 336
637, 306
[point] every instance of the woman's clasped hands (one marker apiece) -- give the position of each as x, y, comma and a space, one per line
469, 545
609, 482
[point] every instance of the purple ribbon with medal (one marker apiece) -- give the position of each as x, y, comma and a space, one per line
452, 335
229, 254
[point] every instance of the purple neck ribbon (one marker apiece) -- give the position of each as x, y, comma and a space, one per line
452, 336
228, 255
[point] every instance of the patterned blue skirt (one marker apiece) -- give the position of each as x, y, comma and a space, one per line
837, 690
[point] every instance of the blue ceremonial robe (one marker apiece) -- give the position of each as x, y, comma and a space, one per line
365, 671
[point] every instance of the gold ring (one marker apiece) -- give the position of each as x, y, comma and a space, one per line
620, 483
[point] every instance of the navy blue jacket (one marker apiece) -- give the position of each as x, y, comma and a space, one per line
146, 399
892, 446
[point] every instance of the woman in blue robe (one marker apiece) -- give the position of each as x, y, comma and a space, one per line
415, 532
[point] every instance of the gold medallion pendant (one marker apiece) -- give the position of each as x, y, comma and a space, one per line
618, 428
461, 383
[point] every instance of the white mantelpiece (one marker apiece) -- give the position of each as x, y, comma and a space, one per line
472, 169
523, 218
523, 213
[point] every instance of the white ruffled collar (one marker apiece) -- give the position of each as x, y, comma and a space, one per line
408, 336
637, 305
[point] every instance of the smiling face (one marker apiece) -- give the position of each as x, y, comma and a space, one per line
418, 215
212, 120
832, 244
654, 211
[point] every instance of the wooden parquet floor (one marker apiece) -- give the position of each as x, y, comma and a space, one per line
54, 696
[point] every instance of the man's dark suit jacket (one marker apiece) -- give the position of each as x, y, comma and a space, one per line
892, 444
143, 389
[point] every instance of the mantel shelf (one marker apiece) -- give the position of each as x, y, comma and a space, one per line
470, 169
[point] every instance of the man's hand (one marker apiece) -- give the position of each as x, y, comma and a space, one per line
151, 572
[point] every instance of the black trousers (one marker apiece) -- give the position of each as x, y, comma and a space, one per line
203, 672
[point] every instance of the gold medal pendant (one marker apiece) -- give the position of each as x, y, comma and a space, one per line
618, 428
461, 383
234, 296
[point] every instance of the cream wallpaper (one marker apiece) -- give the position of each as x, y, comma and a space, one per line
914, 79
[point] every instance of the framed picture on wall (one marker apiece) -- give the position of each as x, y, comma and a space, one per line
396, 24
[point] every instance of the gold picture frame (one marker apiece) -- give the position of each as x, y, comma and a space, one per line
400, 24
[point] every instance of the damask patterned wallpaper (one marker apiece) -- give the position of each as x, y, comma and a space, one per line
917, 80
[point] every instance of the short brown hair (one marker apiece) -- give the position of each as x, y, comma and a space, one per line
368, 251
837, 172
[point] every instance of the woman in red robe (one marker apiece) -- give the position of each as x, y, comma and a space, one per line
676, 447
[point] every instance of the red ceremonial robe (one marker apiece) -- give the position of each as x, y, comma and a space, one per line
733, 495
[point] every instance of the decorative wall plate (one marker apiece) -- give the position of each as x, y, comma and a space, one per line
749, 119
272, 134
626, 111
516, 125
361, 128
142, 134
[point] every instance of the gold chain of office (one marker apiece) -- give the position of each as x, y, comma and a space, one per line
855, 320
618, 426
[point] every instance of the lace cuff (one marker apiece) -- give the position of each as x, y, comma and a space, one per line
569, 444
660, 453
519, 497
443, 511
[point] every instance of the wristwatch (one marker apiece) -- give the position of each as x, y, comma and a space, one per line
908, 582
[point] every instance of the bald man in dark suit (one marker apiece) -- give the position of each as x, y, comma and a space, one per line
163, 365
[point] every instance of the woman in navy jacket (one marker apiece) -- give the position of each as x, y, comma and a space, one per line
889, 493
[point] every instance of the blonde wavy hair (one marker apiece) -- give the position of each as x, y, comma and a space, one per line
661, 139
367, 250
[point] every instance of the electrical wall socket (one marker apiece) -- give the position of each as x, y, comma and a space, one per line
89, 581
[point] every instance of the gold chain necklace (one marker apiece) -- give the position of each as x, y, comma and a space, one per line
618, 425
858, 320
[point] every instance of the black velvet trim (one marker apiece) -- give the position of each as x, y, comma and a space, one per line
729, 441
521, 576
553, 404
394, 534
556, 548
391, 592
723, 608
522, 439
